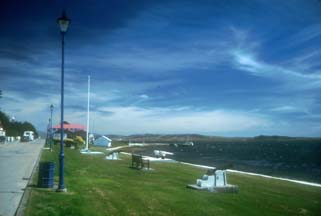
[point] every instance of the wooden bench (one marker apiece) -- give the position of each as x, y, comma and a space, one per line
138, 162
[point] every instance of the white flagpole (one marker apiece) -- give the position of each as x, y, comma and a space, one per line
87, 135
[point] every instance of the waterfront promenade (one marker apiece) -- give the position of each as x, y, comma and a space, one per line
17, 161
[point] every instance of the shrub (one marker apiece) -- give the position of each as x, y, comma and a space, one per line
78, 141
69, 142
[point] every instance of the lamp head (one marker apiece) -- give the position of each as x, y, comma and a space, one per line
63, 22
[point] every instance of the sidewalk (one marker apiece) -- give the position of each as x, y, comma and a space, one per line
17, 161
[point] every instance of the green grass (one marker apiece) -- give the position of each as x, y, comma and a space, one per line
100, 187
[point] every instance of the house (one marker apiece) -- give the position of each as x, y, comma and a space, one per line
102, 141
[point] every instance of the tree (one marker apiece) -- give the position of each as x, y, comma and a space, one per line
4, 119
15, 128
0, 96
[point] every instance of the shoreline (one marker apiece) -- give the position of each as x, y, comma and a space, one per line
257, 174
277, 178
241, 172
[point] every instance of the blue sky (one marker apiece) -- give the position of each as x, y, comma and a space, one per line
231, 68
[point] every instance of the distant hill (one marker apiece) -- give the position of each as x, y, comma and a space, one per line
203, 138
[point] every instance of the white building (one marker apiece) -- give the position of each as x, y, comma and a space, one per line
103, 141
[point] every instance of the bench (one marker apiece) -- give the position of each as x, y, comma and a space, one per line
139, 163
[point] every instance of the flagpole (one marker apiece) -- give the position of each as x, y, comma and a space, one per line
88, 101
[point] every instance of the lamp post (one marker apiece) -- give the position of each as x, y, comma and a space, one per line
51, 110
63, 23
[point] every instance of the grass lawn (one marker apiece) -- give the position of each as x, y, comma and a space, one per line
100, 187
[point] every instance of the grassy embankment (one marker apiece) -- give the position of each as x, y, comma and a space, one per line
100, 187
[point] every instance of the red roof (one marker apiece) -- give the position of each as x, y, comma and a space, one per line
70, 126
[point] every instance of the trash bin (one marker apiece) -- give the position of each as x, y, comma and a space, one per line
46, 174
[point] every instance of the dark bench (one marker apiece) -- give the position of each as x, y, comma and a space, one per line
138, 162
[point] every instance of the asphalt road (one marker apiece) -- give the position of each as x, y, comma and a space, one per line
17, 161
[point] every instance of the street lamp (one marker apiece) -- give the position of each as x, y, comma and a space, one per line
63, 23
51, 110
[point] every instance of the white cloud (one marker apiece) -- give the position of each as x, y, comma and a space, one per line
128, 120
291, 78
285, 109
106, 96
34, 110
298, 72
144, 96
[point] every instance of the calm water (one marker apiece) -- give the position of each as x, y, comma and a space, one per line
297, 161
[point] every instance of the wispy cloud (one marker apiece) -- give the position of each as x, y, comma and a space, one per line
187, 55
308, 33
288, 76
126, 120
167, 67
288, 109
299, 71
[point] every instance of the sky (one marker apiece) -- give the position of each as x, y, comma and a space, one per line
212, 67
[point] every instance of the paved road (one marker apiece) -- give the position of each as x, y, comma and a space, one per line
17, 161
